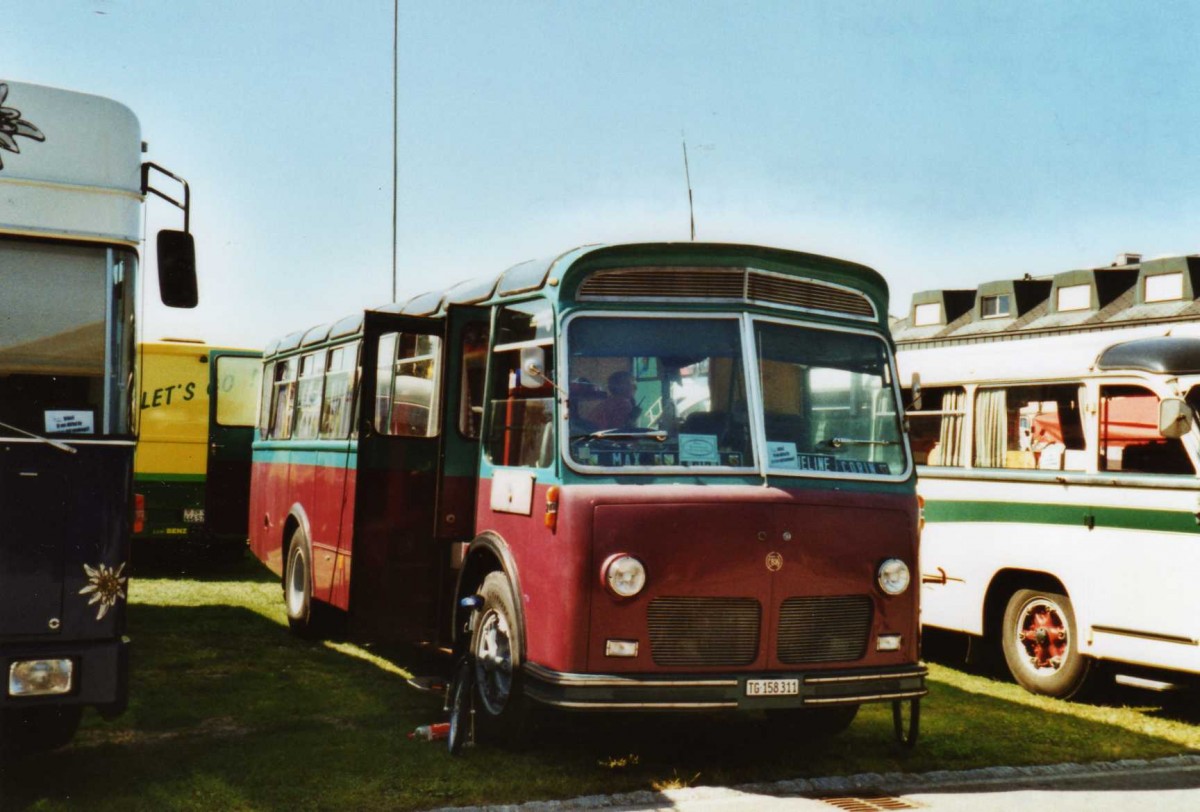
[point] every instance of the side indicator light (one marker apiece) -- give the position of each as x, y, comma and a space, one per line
552, 508
920, 515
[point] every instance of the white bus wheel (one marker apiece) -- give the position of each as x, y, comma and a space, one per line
297, 586
1041, 644
496, 649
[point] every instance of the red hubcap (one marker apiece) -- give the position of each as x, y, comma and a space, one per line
1044, 636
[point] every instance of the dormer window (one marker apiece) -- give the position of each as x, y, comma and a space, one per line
927, 314
1074, 297
1165, 287
995, 307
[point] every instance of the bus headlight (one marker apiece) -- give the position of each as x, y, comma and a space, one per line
893, 576
624, 575
40, 677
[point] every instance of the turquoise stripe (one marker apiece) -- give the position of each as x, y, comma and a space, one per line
1169, 521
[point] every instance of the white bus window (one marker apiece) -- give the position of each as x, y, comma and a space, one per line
406, 378
1030, 427
282, 399
936, 432
337, 408
1129, 438
308, 396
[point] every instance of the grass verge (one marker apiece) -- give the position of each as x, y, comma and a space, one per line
229, 711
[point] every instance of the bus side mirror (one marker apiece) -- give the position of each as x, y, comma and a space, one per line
533, 367
177, 268
1174, 417
915, 406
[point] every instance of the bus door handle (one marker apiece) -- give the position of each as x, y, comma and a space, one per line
215, 446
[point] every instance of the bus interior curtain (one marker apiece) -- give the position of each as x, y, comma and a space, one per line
991, 428
950, 439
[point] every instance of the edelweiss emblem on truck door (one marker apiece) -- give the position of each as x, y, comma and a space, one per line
12, 125
774, 562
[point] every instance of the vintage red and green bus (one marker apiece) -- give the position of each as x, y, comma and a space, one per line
658, 477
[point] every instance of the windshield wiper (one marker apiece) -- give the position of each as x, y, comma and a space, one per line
838, 442
55, 443
624, 434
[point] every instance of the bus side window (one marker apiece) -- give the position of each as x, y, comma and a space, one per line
308, 395
1035, 426
283, 397
337, 408
936, 432
406, 378
521, 411
1129, 438
264, 403
474, 367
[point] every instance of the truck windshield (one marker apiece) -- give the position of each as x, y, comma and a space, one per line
54, 339
658, 392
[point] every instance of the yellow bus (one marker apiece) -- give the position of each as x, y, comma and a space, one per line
197, 408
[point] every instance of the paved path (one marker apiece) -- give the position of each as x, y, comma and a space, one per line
1163, 785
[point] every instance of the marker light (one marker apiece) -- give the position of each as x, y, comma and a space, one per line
624, 575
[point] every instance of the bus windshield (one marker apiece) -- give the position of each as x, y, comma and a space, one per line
652, 392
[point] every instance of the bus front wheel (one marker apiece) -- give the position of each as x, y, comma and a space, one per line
297, 586
496, 649
38, 729
1041, 644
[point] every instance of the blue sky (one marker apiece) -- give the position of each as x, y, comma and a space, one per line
944, 144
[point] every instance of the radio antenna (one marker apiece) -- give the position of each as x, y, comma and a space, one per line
688, 176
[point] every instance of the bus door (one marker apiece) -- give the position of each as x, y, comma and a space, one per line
396, 566
234, 380
462, 413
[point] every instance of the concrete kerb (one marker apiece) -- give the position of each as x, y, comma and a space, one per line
890, 783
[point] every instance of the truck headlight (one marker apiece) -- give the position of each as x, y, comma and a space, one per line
40, 677
893, 576
624, 575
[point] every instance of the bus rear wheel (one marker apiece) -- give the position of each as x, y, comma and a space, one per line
297, 586
501, 709
1040, 642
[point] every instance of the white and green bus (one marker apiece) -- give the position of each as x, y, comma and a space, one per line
1053, 423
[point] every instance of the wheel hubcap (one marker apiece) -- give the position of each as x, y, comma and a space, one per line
1044, 636
493, 662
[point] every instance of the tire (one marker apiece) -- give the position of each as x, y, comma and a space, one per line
501, 710
39, 729
1040, 642
297, 586
813, 723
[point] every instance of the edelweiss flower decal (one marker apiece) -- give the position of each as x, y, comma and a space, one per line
12, 125
108, 586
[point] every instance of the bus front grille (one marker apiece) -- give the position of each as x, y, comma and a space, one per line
824, 629
704, 631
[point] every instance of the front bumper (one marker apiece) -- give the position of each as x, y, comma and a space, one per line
720, 691
101, 673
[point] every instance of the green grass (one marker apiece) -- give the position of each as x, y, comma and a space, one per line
229, 711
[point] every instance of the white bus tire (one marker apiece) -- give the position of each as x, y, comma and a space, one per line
1041, 644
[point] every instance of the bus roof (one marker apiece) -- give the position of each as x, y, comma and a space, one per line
665, 271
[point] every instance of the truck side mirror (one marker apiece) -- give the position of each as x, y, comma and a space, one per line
177, 268
1174, 417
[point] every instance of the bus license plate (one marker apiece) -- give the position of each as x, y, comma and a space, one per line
772, 687
193, 515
